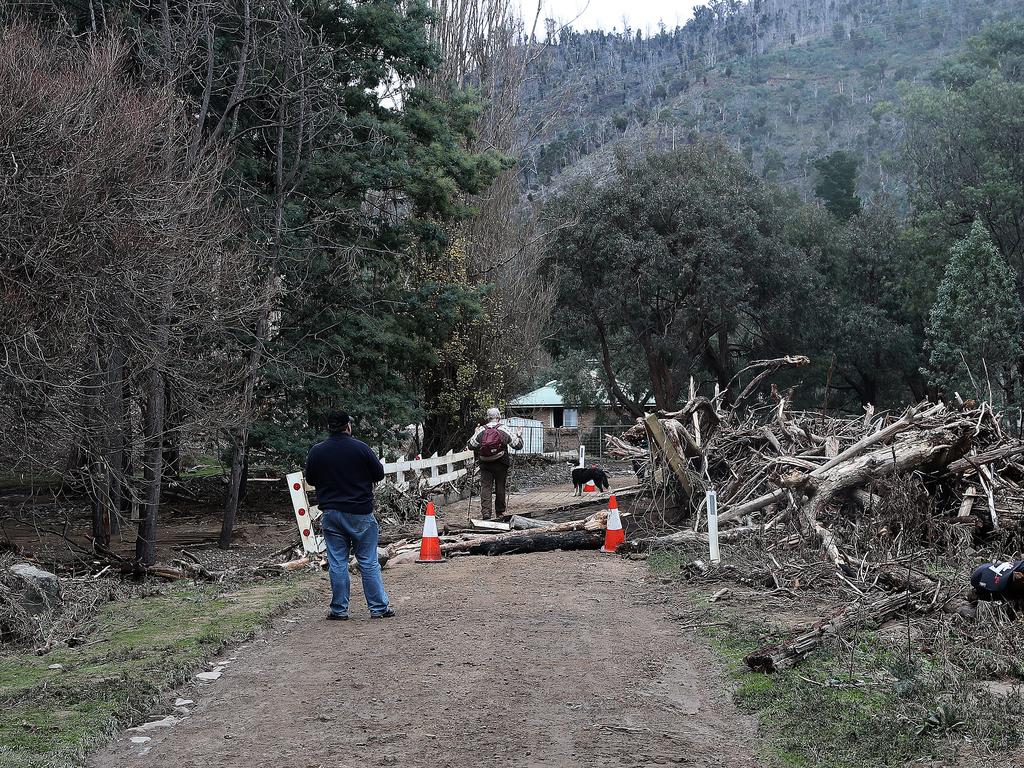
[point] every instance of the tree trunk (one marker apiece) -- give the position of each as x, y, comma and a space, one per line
666, 389
532, 541
115, 442
99, 473
145, 543
172, 434
240, 434
521, 541
616, 395
240, 446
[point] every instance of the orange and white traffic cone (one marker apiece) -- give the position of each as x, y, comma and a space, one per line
613, 533
590, 487
430, 544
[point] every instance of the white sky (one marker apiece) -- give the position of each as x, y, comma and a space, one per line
605, 14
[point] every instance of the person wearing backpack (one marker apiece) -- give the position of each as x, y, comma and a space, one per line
491, 443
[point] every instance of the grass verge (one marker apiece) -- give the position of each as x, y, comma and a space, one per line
139, 648
868, 700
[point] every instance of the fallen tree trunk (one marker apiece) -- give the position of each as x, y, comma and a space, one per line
933, 449
973, 462
520, 523
672, 455
595, 522
870, 614
541, 540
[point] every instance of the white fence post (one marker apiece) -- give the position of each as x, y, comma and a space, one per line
304, 514
713, 528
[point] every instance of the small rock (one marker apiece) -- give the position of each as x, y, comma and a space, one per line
37, 590
56, 666
164, 722
183, 702
140, 739
209, 676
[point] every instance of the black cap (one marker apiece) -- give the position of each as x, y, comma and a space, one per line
337, 421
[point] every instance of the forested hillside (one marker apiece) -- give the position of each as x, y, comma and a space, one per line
783, 82
680, 261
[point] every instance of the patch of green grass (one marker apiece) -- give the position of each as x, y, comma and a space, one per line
140, 648
206, 466
817, 715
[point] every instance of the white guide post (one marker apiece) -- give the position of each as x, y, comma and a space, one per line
713, 528
583, 455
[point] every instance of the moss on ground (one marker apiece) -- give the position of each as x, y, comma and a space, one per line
139, 648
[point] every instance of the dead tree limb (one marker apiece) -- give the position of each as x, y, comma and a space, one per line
862, 614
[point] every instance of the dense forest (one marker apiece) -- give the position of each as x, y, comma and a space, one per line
220, 219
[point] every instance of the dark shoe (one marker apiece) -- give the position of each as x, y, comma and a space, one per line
336, 617
388, 613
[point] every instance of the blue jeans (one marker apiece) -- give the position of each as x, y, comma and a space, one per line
344, 532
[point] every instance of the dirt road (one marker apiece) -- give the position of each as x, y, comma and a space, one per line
552, 659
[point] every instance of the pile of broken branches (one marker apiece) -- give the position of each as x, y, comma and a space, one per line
871, 493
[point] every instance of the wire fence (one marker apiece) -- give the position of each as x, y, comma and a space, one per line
566, 441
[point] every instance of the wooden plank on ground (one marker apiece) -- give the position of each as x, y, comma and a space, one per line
490, 525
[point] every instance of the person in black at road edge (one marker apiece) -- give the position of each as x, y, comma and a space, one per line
344, 471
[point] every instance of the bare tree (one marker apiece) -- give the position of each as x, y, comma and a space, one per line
121, 278
483, 47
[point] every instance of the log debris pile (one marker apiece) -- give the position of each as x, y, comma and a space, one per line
878, 497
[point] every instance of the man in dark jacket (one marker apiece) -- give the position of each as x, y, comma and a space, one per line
343, 470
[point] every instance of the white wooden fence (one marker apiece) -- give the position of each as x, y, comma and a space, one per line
402, 474
405, 473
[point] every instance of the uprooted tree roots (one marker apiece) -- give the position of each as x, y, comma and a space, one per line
878, 496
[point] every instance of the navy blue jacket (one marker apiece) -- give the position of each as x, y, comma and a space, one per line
344, 470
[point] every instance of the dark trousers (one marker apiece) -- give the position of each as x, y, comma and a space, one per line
493, 475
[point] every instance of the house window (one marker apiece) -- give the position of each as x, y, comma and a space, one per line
564, 417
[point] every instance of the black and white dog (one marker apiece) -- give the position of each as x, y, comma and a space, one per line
592, 474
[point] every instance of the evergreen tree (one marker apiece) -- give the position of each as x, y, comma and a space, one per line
975, 324
837, 184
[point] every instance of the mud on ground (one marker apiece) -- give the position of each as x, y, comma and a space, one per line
552, 659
